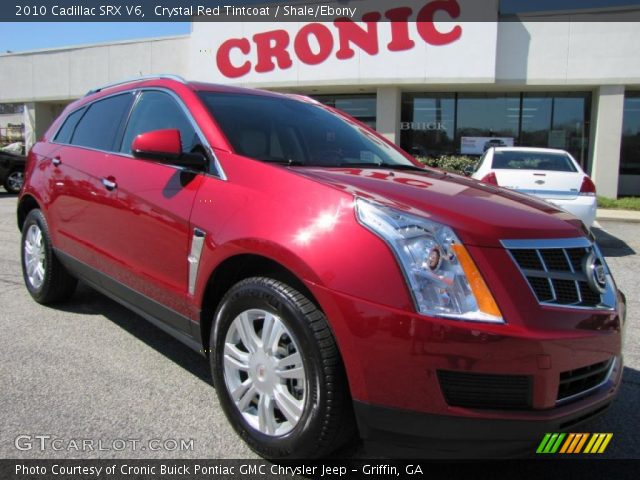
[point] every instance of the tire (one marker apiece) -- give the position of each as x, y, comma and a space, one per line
307, 412
13, 182
45, 277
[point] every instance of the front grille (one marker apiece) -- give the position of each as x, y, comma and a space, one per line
477, 390
556, 273
580, 380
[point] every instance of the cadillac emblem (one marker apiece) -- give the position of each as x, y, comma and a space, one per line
595, 272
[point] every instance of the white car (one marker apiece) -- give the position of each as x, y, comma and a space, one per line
553, 175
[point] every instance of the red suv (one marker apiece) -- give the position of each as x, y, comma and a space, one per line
335, 284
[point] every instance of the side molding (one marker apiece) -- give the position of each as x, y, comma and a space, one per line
197, 242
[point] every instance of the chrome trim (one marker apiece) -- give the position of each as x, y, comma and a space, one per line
108, 184
219, 171
584, 393
608, 298
545, 193
577, 242
160, 76
197, 242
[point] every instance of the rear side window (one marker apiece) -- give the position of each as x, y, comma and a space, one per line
66, 131
99, 127
158, 111
552, 162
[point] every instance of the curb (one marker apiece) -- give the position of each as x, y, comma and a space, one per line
627, 216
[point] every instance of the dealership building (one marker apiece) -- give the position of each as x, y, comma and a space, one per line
433, 80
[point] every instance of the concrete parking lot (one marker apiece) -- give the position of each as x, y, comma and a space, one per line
90, 369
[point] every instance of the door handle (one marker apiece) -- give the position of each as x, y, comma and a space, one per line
56, 161
109, 184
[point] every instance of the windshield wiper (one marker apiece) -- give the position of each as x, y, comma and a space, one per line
288, 163
399, 166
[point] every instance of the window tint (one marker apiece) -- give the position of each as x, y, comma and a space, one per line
69, 125
289, 131
99, 127
554, 162
158, 111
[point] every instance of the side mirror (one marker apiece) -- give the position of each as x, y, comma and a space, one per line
469, 170
165, 146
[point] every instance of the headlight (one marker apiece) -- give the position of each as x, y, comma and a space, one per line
441, 275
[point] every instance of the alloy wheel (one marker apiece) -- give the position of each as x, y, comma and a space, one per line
264, 372
34, 256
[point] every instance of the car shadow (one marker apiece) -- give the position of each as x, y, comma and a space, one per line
622, 419
87, 301
611, 245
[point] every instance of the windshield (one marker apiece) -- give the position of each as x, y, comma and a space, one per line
292, 132
523, 160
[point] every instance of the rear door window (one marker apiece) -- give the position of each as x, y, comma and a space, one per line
68, 127
158, 111
100, 126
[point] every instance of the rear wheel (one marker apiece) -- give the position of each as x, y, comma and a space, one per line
13, 182
278, 373
45, 277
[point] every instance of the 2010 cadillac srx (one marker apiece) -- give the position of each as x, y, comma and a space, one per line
335, 284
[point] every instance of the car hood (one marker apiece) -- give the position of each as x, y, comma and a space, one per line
480, 214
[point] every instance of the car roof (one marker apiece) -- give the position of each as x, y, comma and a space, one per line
167, 80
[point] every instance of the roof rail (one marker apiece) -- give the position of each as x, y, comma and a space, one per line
137, 79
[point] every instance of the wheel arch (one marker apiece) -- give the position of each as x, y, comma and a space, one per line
234, 269
25, 205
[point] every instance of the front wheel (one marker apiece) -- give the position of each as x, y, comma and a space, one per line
278, 373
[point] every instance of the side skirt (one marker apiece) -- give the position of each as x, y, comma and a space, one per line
167, 320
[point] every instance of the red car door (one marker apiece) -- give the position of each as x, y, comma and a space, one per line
149, 236
81, 199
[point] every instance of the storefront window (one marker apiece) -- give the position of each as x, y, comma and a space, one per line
570, 126
361, 107
630, 149
556, 120
428, 125
536, 120
469, 123
481, 115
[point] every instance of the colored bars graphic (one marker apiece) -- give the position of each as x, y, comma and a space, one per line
574, 443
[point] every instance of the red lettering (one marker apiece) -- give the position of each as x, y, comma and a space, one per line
380, 175
350, 32
223, 58
314, 42
412, 182
303, 48
349, 171
426, 25
399, 21
272, 45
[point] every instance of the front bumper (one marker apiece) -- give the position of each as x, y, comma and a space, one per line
393, 359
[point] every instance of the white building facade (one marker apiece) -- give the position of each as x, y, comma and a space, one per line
437, 86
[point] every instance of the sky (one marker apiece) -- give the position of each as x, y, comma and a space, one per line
22, 36
19, 37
